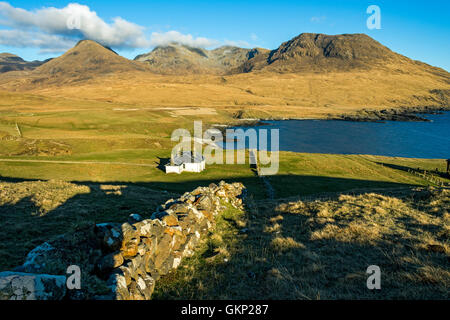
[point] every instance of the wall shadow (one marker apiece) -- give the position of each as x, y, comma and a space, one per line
23, 228
436, 171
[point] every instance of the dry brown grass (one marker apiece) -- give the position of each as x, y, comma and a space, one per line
264, 95
321, 250
261, 94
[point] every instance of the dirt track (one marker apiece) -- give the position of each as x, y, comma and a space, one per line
78, 162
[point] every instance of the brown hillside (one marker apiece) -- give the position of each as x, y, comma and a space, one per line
310, 76
86, 60
311, 52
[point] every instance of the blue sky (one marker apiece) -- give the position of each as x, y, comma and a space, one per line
417, 29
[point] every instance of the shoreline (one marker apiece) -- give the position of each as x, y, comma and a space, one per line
402, 114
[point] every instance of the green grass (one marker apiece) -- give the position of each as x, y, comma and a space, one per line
299, 174
296, 262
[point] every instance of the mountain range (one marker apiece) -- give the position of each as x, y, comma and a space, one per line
311, 72
181, 59
307, 52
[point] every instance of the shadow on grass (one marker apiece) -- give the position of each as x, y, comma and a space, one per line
162, 163
437, 172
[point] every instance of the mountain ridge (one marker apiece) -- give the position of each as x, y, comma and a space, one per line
11, 62
86, 60
306, 54
177, 58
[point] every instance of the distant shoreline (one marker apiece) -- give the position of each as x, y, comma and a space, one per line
405, 114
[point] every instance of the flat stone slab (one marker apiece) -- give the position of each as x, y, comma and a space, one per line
30, 286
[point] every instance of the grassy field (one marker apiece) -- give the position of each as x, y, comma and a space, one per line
68, 160
34, 211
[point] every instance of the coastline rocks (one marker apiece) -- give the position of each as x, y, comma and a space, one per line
394, 114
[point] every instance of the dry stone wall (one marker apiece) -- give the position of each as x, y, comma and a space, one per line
132, 256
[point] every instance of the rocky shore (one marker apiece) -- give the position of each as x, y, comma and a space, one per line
393, 114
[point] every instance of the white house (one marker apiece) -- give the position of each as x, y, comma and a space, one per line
186, 161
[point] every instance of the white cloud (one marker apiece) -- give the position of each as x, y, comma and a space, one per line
318, 19
77, 21
46, 42
160, 39
58, 29
254, 37
238, 43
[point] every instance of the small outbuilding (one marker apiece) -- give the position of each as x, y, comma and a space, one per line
186, 161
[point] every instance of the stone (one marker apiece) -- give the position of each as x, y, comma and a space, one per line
163, 251
144, 227
129, 232
29, 286
196, 214
173, 230
150, 286
109, 235
110, 261
149, 265
150, 244
157, 229
170, 220
209, 215
131, 239
129, 249
221, 193
142, 248
125, 271
190, 199
118, 285
134, 217
135, 293
177, 256
204, 203
212, 186
180, 208
35, 259
138, 267
166, 265
178, 240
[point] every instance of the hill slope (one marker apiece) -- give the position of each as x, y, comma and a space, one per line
310, 52
86, 60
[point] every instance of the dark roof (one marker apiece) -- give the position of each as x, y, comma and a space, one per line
187, 157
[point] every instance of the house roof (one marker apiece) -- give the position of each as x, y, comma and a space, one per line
187, 157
